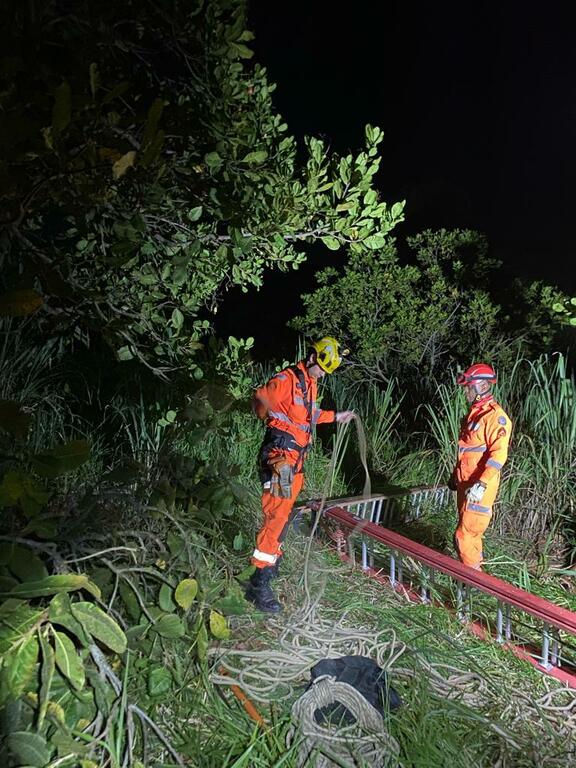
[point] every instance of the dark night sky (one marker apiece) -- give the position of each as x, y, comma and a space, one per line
477, 103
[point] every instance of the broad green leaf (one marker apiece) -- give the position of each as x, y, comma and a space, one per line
68, 661
159, 681
124, 353
52, 585
169, 626
213, 160
16, 618
29, 749
62, 109
130, 600
20, 666
60, 613
177, 318
219, 626
27, 566
241, 50
195, 213
13, 419
375, 241
120, 167
100, 626
20, 303
331, 242
165, 599
61, 459
259, 156
185, 593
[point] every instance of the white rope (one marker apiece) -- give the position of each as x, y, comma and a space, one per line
334, 746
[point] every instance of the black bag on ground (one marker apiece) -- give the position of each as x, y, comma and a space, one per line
362, 673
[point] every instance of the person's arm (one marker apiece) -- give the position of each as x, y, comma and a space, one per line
497, 439
274, 396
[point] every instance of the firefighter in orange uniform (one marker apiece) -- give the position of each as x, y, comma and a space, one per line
288, 405
482, 452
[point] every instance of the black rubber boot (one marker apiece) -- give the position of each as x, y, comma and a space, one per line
260, 592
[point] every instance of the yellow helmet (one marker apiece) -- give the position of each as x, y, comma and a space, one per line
328, 355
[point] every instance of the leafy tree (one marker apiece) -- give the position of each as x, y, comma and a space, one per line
399, 318
145, 172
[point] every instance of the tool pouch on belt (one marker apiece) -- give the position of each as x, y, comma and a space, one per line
282, 476
277, 440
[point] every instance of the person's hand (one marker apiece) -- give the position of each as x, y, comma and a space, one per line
343, 417
475, 493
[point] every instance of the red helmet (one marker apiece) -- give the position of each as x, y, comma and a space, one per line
477, 372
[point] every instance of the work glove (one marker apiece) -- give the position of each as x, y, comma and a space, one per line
282, 476
475, 493
452, 486
343, 417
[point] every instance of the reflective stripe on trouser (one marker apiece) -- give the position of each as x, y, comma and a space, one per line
277, 512
473, 519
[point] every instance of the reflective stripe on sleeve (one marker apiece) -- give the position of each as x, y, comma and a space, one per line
264, 557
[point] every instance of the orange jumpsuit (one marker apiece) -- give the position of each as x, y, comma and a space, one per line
482, 452
288, 403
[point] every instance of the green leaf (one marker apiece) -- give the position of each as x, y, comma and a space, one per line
16, 618
195, 213
20, 303
52, 585
28, 748
331, 242
46, 675
62, 109
232, 604
201, 640
165, 599
177, 319
159, 681
100, 626
60, 613
124, 353
219, 626
185, 593
20, 666
213, 161
259, 156
68, 661
130, 600
13, 419
27, 566
169, 626
241, 50
375, 241
61, 459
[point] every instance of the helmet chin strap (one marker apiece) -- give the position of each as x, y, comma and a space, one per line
481, 395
